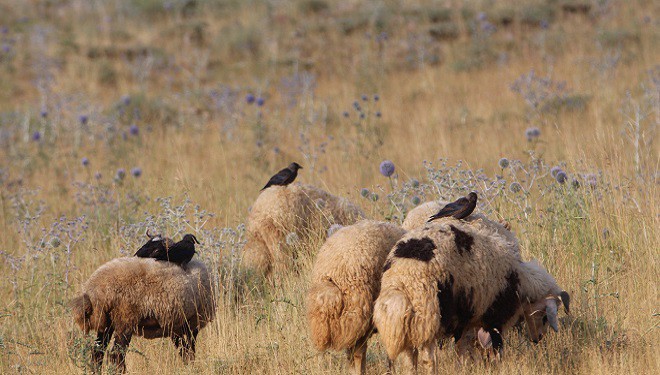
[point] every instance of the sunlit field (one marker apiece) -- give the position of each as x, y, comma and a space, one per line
122, 115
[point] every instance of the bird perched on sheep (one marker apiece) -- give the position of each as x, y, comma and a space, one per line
345, 283
302, 209
284, 177
418, 217
163, 249
180, 253
451, 278
140, 296
155, 244
460, 209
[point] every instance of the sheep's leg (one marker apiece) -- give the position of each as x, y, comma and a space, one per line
429, 357
390, 366
100, 345
411, 355
186, 344
118, 353
357, 356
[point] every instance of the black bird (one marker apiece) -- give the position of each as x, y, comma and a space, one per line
156, 243
180, 253
285, 176
459, 209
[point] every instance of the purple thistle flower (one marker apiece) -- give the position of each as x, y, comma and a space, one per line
83, 119
362, 115
378, 114
134, 130
515, 187
591, 180
376, 98
561, 177
85, 162
43, 113
414, 183
386, 168
364, 98
503, 163
261, 101
136, 172
554, 170
345, 114
532, 133
416, 201
126, 100
98, 175
249, 98
36, 136
356, 105
121, 173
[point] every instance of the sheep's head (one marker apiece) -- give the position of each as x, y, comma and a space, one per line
81, 308
89, 316
543, 313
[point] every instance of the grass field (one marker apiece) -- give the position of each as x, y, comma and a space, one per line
117, 115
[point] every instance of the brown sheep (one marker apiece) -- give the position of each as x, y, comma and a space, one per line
144, 297
345, 283
281, 210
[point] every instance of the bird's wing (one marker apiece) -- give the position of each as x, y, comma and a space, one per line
290, 178
149, 249
447, 210
278, 178
163, 251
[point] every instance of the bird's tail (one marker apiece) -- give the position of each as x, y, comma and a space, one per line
392, 313
324, 307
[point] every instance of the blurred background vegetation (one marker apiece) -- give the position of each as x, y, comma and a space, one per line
121, 114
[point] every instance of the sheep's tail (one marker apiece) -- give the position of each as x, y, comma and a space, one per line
392, 313
324, 307
81, 309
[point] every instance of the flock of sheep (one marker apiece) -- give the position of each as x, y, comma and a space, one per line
415, 285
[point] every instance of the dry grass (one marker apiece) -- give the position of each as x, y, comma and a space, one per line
437, 99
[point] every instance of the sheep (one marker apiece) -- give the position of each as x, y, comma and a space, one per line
344, 284
451, 278
281, 210
144, 297
418, 216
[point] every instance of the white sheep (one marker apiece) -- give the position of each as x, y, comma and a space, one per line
144, 297
418, 216
302, 209
455, 279
345, 282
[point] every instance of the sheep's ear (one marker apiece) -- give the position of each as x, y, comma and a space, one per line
565, 299
551, 313
485, 339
